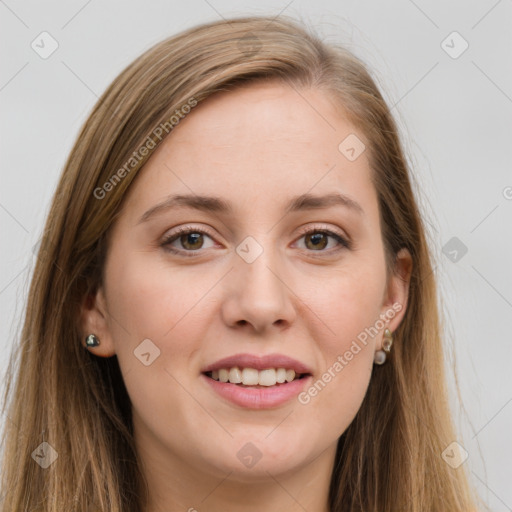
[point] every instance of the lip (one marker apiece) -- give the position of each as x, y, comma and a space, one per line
258, 398
259, 363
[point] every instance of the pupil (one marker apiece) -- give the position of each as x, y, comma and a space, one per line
317, 239
192, 236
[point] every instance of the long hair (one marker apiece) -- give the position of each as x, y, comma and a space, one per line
60, 400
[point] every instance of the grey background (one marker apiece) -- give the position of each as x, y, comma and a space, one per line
455, 115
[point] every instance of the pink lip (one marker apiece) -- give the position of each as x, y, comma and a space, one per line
259, 363
261, 397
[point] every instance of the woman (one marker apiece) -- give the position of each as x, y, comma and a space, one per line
250, 324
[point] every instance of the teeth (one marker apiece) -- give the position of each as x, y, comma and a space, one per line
250, 377
253, 377
235, 375
267, 377
290, 375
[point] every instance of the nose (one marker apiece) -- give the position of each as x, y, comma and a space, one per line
258, 296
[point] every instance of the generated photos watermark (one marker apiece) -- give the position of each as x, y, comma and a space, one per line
150, 143
343, 360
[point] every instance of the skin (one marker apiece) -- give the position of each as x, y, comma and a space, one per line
256, 147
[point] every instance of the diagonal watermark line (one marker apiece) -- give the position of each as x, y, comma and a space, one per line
199, 403
424, 14
205, 294
76, 14
420, 80
7, 417
497, 497
113, 112
492, 81
508, 401
206, 1
328, 447
286, 491
13, 218
2, 1
281, 11
312, 107
432, 226
14, 76
484, 218
492, 8
503, 297
432, 271
216, 487
79, 79
301, 300
119, 323
219, 14
13, 279
418, 417
279, 424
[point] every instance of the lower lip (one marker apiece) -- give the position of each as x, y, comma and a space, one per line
258, 398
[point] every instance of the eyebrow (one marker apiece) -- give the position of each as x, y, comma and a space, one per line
213, 204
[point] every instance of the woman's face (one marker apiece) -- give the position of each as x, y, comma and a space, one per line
262, 172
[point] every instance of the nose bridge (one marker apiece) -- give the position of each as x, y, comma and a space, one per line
260, 296
258, 264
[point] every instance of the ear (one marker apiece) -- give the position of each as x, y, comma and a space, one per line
95, 320
397, 292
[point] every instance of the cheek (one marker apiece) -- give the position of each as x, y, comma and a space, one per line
349, 304
149, 297
148, 300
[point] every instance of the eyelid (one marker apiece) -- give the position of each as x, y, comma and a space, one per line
344, 241
182, 230
304, 230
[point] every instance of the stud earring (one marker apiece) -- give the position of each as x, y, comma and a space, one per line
380, 355
92, 341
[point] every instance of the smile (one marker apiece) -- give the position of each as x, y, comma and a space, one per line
250, 392
254, 377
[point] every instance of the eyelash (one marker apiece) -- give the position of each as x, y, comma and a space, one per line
343, 243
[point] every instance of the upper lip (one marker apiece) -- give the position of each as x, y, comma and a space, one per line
258, 362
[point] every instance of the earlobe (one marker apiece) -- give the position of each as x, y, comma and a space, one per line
395, 303
380, 356
96, 335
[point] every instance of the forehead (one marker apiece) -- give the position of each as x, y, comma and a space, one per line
255, 145
273, 113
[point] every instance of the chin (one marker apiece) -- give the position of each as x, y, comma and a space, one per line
247, 460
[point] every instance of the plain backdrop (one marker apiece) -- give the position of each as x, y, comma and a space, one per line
445, 67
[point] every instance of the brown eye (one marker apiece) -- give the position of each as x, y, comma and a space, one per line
187, 242
317, 240
192, 240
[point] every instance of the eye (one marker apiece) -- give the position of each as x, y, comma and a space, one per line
317, 239
190, 239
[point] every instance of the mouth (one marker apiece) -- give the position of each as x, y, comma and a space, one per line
258, 389
257, 381
254, 378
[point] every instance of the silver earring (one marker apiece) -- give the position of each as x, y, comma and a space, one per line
380, 355
92, 341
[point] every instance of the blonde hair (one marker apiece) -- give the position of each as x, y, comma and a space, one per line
389, 458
